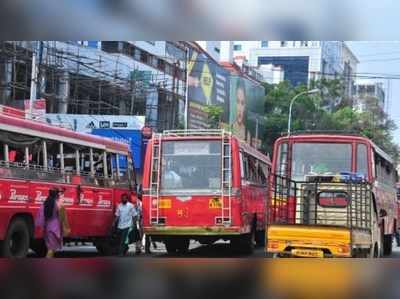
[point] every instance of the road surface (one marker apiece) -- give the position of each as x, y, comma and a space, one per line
218, 250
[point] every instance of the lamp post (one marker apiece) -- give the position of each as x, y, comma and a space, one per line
292, 102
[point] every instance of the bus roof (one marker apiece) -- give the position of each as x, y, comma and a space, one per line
337, 138
28, 127
211, 134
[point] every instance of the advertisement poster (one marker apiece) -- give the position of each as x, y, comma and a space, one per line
246, 100
208, 84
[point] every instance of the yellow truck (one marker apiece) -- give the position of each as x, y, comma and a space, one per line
322, 217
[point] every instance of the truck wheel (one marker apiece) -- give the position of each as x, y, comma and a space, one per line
39, 247
16, 243
387, 244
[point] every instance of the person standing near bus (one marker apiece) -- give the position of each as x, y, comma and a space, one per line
125, 219
52, 219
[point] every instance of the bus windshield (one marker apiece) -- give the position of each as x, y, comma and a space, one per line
191, 167
320, 159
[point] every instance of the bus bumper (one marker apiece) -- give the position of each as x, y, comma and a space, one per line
192, 230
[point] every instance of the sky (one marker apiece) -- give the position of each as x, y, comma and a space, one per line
382, 58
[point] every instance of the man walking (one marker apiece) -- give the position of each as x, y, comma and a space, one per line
125, 219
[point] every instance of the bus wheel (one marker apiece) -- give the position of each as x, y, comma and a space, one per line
107, 247
244, 244
39, 247
177, 246
16, 243
387, 244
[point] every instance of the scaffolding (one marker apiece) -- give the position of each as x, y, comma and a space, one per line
81, 80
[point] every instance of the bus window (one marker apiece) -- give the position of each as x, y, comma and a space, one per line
320, 159
282, 159
384, 170
362, 160
262, 173
191, 166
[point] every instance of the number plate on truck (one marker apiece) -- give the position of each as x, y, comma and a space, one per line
307, 252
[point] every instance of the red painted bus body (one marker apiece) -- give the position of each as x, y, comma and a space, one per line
197, 207
362, 157
89, 198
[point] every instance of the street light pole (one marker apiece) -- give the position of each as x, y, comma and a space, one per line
291, 106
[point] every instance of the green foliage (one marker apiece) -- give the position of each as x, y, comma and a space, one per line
214, 115
327, 111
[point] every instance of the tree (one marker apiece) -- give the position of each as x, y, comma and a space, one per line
214, 115
329, 111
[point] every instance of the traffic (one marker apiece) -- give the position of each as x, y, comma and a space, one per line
323, 195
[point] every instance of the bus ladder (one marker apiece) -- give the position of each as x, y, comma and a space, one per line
226, 188
155, 181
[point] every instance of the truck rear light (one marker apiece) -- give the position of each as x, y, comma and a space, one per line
273, 245
344, 249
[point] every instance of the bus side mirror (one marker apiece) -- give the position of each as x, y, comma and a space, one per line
139, 191
382, 213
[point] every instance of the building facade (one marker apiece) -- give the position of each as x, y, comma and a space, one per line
99, 78
302, 61
369, 89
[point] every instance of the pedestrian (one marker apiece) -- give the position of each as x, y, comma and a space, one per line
124, 221
397, 237
139, 225
148, 242
52, 219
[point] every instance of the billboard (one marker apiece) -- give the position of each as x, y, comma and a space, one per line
131, 137
86, 123
246, 101
208, 84
122, 128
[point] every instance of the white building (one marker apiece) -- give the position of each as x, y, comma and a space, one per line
302, 61
369, 88
214, 48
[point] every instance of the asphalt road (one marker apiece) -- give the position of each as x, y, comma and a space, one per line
218, 250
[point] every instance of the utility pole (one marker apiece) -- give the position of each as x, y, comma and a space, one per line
186, 119
33, 82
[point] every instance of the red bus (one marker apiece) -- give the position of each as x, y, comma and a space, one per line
205, 186
299, 156
92, 172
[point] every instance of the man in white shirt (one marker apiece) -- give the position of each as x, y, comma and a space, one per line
125, 219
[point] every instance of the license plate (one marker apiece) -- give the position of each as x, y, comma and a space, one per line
308, 253
215, 203
164, 204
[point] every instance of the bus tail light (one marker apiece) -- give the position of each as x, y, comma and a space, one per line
218, 220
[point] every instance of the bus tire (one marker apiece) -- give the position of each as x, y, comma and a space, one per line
244, 244
39, 247
16, 242
387, 244
108, 247
177, 246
